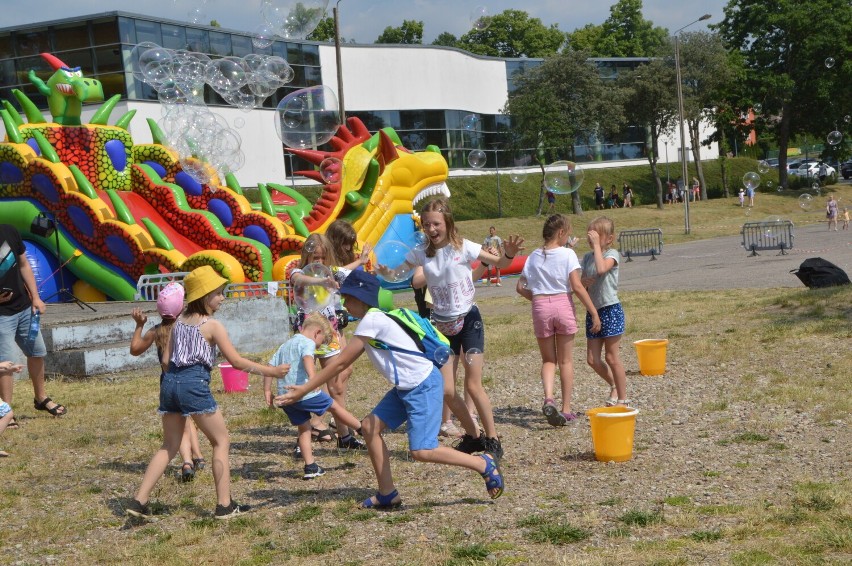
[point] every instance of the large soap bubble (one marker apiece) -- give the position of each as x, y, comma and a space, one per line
136, 54
479, 20
563, 177
293, 19
331, 169
226, 75
390, 260
476, 158
834, 137
751, 180
469, 122
317, 292
829, 62
308, 117
263, 37
156, 65
763, 167
805, 201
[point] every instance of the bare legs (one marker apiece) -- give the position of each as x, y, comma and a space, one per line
610, 367
558, 349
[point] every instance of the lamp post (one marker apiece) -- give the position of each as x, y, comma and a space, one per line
668, 178
340, 106
680, 116
496, 147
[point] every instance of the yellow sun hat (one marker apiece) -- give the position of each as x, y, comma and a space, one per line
201, 281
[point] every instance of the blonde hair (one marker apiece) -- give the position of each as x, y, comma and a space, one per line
310, 247
317, 320
604, 227
163, 332
441, 205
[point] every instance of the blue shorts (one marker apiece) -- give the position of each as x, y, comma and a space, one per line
300, 411
472, 335
420, 408
14, 329
612, 322
186, 390
5, 409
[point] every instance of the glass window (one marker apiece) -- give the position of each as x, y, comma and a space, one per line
108, 60
32, 42
113, 83
220, 43
279, 48
298, 77
311, 54
241, 45
126, 31
80, 58
294, 54
39, 65
313, 76
104, 32
148, 31
174, 37
7, 73
197, 40
71, 36
6, 46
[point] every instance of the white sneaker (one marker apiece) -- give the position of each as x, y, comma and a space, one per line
450, 430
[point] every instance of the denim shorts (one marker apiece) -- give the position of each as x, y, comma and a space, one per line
186, 390
300, 411
14, 329
472, 335
420, 407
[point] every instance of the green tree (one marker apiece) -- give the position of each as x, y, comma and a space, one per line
409, 33
513, 33
446, 39
784, 45
624, 34
324, 31
561, 103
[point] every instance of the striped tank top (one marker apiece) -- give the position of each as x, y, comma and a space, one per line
189, 347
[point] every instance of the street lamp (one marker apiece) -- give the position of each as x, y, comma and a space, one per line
341, 108
496, 147
680, 115
668, 177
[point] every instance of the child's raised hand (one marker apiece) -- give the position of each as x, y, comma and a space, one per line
594, 239
513, 245
140, 317
10, 367
365, 253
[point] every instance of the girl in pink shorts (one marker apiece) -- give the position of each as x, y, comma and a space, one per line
550, 276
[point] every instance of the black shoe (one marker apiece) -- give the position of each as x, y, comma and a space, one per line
469, 444
136, 509
187, 472
349, 442
232, 510
297, 452
313, 471
493, 447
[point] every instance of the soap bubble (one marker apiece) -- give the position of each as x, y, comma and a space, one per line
473, 355
757, 107
239, 122
479, 20
834, 137
226, 75
308, 117
769, 184
469, 121
563, 177
196, 168
829, 62
331, 170
748, 211
309, 246
805, 201
847, 118
751, 180
517, 175
815, 186
156, 65
421, 241
314, 295
476, 158
300, 19
441, 354
263, 37
763, 167
390, 260
135, 55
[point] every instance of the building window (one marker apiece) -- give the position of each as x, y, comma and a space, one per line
71, 36
197, 40
220, 43
104, 32
126, 31
108, 60
241, 45
148, 31
32, 42
174, 37
6, 51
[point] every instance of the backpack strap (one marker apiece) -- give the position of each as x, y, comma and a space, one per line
380, 345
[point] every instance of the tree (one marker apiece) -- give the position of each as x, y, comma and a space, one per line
784, 45
324, 31
624, 34
409, 33
446, 39
560, 103
513, 33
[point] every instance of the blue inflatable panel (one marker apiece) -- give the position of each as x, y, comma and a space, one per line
44, 265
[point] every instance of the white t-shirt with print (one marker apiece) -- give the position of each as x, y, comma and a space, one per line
448, 277
411, 369
547, 271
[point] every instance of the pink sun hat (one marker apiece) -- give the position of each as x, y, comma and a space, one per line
170, 300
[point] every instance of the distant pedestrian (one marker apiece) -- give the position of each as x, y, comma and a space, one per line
493, 244
831, 212
845, 218
696, 189
613, 197
742, 197
599, 196
551, 202
627, 193
823, 172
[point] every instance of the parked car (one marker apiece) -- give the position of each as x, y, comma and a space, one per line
812, 170
846, 169
794, 164
772, 162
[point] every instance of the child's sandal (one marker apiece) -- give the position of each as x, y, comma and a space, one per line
613, 397
382, 502
187, 472
492, 475
198, 464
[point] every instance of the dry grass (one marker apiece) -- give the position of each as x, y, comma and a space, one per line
741, 456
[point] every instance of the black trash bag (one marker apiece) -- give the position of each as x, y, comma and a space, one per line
816, 273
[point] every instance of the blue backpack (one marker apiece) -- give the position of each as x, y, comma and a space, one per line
431, 344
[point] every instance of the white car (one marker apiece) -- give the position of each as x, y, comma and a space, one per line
812, 170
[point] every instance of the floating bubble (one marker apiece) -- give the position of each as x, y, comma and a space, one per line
805, 201
476, 158
197, 16
829, 62
473, 355
390, 260
763, 167
479, 19
239, 122
751, 180
757, 107
834, 137
477, 325
469, 122
769, 184
156, 65
421, 241
301, 19
517, 175
316, 293
263, 37
817, 191
563, 177
442, 354
226, 75
196, 168
309, 246
847, 118
748, 211
331, 170
135, 55
815, 186
308, 117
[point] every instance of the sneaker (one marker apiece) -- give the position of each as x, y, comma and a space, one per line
313, 471
136, 509
499, 284
493, 447
469, 444
349, 442
297, 452
450, 430
232, 510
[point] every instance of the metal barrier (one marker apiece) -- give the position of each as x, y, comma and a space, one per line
645, 241
768, 235
148, 287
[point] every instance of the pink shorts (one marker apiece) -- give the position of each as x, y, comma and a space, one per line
553, 314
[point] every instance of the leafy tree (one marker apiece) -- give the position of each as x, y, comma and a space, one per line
324, 31
409, 33
513, 33
215, 24
446, 39
559, 103
624, 34
784, 45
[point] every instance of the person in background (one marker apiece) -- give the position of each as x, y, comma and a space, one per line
493, 244
627, 193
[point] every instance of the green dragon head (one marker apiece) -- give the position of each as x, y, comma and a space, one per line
66, 91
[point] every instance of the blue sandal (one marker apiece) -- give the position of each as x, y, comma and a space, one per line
383, 501
492, 475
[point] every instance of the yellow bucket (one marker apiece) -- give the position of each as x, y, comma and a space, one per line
612, 432
652, 356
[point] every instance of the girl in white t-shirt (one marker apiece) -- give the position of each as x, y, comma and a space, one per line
445, 268
550, 275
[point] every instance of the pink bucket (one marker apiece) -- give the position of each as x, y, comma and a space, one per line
234, 380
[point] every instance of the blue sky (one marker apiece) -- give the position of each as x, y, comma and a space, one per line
364, 20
